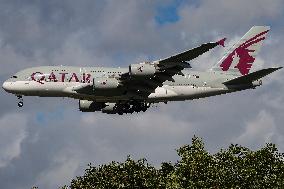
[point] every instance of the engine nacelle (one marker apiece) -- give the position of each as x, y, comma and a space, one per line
105, 83
142, 70
90, 106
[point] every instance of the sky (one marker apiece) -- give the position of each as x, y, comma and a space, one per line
48, 141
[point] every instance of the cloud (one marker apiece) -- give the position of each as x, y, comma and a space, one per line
12, 134
259, 130
214, 15
262, 129
62, 170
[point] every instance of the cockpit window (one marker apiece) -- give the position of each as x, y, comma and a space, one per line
14, 76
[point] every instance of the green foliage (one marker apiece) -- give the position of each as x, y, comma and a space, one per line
130, 174
242, 168
235, 167
196, 168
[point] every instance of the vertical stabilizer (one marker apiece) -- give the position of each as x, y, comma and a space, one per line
240, 58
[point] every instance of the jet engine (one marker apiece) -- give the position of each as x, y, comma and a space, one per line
90, 106
105, 83
142, 69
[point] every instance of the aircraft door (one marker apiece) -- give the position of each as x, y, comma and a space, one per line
85, 75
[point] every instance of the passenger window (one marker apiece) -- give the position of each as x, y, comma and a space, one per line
14, 76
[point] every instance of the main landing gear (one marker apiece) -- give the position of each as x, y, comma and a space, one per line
21, 102
131, 107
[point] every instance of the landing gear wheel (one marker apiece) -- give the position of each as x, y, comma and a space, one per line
20, 104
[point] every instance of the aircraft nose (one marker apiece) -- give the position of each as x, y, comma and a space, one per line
7, 86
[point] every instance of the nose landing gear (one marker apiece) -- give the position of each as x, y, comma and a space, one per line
21, 102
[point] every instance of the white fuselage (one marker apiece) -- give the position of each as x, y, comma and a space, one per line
63, 82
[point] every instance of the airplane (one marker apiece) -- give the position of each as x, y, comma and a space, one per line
136, 88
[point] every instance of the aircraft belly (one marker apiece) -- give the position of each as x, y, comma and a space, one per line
162, 92
100, 98
172, 93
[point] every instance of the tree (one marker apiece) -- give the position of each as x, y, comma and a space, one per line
129, 174
235, 167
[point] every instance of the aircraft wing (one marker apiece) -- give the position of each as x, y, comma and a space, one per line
190, 54
165, 69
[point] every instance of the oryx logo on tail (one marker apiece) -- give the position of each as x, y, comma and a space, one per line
241, 56
243, 53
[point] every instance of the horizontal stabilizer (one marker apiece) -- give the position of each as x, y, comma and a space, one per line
249, 78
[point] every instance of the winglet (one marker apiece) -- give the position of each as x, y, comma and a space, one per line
222, 42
